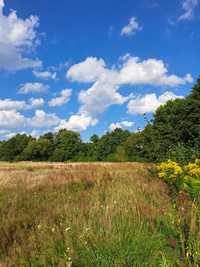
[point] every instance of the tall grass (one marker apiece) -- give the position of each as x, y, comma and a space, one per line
90, 215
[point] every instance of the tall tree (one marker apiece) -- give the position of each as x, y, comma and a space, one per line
68, 146
12, 149
37, 150
109, 142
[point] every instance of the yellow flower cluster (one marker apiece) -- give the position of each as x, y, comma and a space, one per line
193, 169
185, 178
169, 170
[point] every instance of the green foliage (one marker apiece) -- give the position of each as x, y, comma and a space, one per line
133, 147
182, 153
67, 146
13, 148
109, 142
90, 150
177, 122
196, 90
37, 150
121, 154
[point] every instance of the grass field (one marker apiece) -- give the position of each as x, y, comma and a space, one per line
92, 215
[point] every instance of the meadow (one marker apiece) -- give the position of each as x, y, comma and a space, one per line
92, 215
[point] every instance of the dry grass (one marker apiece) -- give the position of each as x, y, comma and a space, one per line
87, 214
34, 173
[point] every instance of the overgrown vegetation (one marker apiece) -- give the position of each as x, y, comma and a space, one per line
184, 182
181, 178
93, 215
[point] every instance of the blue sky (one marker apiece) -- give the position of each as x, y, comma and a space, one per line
92, 66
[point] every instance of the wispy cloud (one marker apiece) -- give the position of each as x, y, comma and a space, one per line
33, 88
188, 7
45, 75
132, 27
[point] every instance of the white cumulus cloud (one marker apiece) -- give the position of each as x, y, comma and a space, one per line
17, 37
121, 125
62, 99
100, 97
11, 119
87, 71
10, 104
36, 102
149, 72
78, 122
106, 82
42, 119
149, 102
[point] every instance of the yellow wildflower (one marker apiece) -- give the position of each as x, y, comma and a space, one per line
169, 170
193, 169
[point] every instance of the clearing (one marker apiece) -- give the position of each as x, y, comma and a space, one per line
87, 215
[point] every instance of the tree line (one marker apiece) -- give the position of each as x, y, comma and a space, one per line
174, 133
